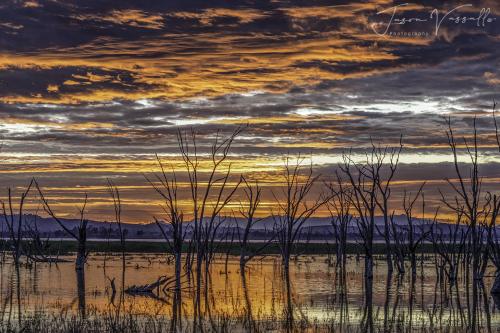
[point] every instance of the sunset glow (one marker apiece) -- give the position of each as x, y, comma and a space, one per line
100, 90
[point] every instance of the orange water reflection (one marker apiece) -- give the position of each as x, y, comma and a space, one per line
315, 297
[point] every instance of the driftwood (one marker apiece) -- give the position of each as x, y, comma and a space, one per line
148, 288
37, 258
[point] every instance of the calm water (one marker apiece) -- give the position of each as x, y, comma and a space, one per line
316, 298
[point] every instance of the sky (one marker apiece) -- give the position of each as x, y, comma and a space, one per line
92, 90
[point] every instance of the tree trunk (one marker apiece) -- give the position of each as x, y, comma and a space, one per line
286, 262
413, 261
80, 282
81, 255
178, 265
495, 289
368, 267
388, 257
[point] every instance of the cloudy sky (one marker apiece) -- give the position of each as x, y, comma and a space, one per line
92, 89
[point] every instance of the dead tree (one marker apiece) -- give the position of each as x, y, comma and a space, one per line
468, 195
117, 206
408, 238
166, 186
493, 242
217, 236
80, 236
363, 179
390, 157
340, 206
253, 196
15, 231
248, 210
210, 192
449, 241
229, 246
294, 209
209, 196
469, 201
36, 248
400, 249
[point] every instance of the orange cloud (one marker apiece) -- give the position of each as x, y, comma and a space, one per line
491, 78
208, 16
130, 17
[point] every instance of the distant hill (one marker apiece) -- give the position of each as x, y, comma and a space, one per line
315, 228
48, 227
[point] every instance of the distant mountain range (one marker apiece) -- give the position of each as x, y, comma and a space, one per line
317, 228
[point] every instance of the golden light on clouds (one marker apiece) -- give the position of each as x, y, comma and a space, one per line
93, 91
179, 66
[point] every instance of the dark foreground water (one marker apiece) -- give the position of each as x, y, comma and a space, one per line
51, 298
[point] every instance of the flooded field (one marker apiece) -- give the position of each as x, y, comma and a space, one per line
312, 298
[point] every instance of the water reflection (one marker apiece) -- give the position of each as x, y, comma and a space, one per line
80, 286
311, 296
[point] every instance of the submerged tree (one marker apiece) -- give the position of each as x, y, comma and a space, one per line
407, 234
166, 186
117, 206
173, 231
210, 194
248, 209
468, 197
389, 157
81, 233
471, 202
493, 242
15, 231
340, 207
211, 190
295, 208
371, 182
449, 243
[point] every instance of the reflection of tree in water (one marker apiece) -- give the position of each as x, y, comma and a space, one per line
248, 303
289, 318
80, 283
367, 320
387, 303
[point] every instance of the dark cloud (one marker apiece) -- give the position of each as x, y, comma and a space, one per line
95, 88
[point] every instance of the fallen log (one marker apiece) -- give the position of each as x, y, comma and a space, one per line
47, 259
147, 288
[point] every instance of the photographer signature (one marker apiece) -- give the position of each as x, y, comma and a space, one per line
481, 19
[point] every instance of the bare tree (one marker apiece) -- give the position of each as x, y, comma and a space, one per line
15, 231
203, 190
36, 248
248, 210
363, 179
469, 201
81, 233
295, 210
340, 207
167, 187
253, 197
117, 206
468, 195
390, 157
408, 235
449, 243
371, 192
399, 247
493, 242
210, 191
